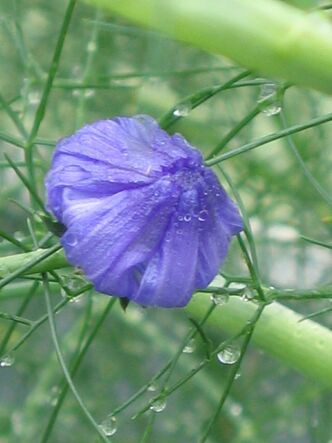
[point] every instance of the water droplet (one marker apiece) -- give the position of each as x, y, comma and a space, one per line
71, 239
202, 216
73, 283
76, 93
108, 426
269, 92
7, 360
76, 299
179, 231
152, 387
219, 299
229, 355
181, 110
248, 294
237, 375
19, 235
272, 110
187, 218
268, 89
180, 217
34, 97
190, 347
158, 405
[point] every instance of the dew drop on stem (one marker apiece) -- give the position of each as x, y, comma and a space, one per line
219, 299
34, 97
181, 110
158, 405
108, 426
229, 355
152, 387
248, 294
190, 347
269, 91
7, 360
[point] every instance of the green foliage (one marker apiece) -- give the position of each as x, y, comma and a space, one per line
66, 64
280, 40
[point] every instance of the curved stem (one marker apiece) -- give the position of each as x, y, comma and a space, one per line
303, 345
41, 260
270, 138
267, 36
62, 363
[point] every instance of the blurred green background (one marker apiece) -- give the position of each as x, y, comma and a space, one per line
110, 67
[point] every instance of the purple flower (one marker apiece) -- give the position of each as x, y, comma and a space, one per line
145, 218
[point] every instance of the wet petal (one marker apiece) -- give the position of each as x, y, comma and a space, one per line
169, 279
145, 219
110, 236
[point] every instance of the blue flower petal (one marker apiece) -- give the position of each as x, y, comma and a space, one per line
145, 219
169, 279
115, 234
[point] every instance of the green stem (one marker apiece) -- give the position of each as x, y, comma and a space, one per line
299, 344
15, 318
41, 260
63, 365
233, 372
268, 36
194, 100
73, 369
11, 140
40, 113
51, 73
303, 345
13, 116
317, 242
28, 294
148, 429
235, 130
270, 138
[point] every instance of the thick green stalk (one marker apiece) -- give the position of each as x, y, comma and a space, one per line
305, 346
268, 36
37, 260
